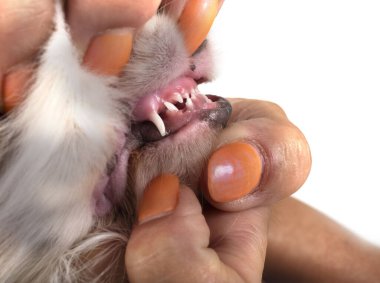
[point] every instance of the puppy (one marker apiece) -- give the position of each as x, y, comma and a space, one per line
78, 152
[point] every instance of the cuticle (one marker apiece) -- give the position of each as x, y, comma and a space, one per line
265, 164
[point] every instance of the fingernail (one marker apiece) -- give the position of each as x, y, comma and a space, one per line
160, 198
108, 53
233, 171
14, 86
196, 20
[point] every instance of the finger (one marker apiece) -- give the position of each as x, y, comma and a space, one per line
88, 18
194, 17
14, 86
108, 53
173, 245
158, 245
196, 20
240, 239
175, 8
105, 30
276, 151
24, 27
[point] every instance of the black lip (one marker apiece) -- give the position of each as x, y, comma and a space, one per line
217, 118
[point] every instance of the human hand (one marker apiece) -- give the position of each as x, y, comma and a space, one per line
26, 25
189, 245
178, 242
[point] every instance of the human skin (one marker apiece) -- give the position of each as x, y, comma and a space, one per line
27, 25
304, 245
224, 246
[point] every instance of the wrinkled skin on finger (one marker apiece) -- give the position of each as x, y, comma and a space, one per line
21, 34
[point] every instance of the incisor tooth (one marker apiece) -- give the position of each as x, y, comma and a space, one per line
178, 97
170, 106
189, 103
158, 122
205, 98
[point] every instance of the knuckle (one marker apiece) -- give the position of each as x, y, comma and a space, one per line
297, 156
288, 158
208, 267
247, 109
275, 108
18, 25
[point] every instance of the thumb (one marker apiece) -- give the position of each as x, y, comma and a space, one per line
171, 234
172, 240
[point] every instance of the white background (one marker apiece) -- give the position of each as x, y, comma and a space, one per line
320, 60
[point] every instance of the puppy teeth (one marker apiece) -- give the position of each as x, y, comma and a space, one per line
158, 122
170, 106
189, 103
186, 95
178, 97
205, 98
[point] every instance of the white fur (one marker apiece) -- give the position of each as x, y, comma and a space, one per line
65, 131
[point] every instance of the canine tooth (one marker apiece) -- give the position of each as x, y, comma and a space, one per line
158, 122
170, 106
189, 103
178, 97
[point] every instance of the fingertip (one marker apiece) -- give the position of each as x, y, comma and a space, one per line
13, 87
285, 157
196, 20
108, 53
160, 198
234, 171
24, 27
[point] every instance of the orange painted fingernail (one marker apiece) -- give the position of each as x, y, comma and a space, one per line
196, 20
14, 86
160, 198
233, 171
220, 4
108, 53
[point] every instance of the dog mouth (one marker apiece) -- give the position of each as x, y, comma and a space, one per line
169, 112
171, 109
